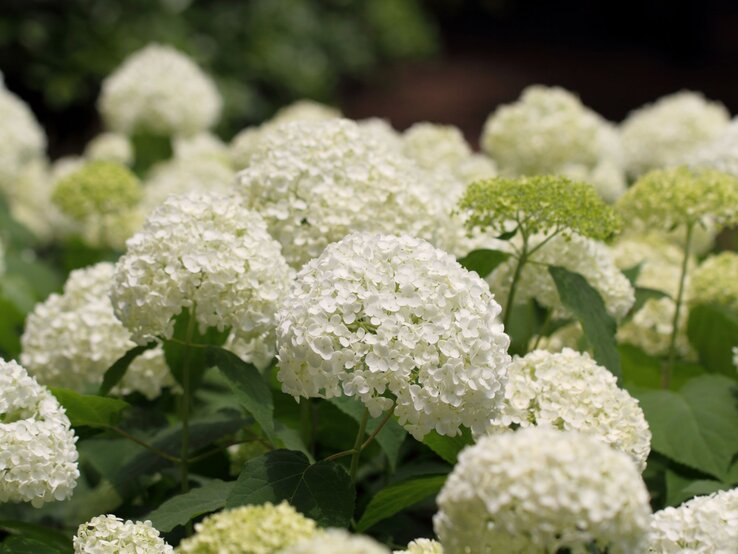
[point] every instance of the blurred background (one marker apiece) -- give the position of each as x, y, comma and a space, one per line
446, 61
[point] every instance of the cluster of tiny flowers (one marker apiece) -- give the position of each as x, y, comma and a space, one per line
315, 182
205, 253
71, 339
110, 147
570, 392
159, 90
379, 316
566, 336
38, 457
539, 490
703, 525
720, 154
204, 145
21, 139
422, 546
264, 529
108, 534
668, 198
591, 259
336, 541
438, 148
669, 131
715, 281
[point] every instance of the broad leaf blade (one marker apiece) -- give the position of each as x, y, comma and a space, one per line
713, 331
448, 448
183, 508
89, 410
483, 261
117, 371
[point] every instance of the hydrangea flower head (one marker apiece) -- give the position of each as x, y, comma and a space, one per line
159, 90
422, 546
569, 391
715, 281
110, 147
263, 529
108, 533
336, 541
38, 457
539, 490
206, 253
383, 318
435, 146
721, 153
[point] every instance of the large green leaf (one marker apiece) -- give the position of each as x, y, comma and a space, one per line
643, 295
322, 491
47, 539
397, 497
117, 371
713, 331
587, 305
483, 261
89, 410
183, 508
448, 448
680, 488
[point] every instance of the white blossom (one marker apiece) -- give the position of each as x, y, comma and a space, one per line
422, 546
108, 534
110, 147
336, 541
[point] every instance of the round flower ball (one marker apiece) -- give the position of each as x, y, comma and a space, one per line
110, 147
207, 254
336, 541
159, 90
715, 281
71, 339
393, 320
314, 182
540, 490
38, 457
569, 391
108, 533
422, 546
263, 529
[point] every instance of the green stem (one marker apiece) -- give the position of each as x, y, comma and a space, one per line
186, 393
668, 368
514, 285
358, 445
542, 330
146, 445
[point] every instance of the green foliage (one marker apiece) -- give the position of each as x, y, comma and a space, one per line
483, 261
448, 448
713, 331
117, 371
85, 410
32, 538
181, 509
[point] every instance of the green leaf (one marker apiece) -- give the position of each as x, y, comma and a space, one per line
250, 388
643, 295
27, 545
586, 304
42, 278
639, 369
11, 328
89, 410
395, 498
50, 539
448, 448
713, 331
507, 235
390, 438
322, 491
695, 426
117, 371
483, 261
183, 508
17, 290
680, 488
632, 273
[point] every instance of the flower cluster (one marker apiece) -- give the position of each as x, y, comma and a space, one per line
110, 147
208, 254
108, 533
715, 281
381, 317
38, 457
264, 529
720, 154
336, 541
703, 525
159, 90
667, 132
569, 391
539, 490
71, 339
315, 182
422, 546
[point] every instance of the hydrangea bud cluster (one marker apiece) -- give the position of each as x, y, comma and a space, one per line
715, 281
110, 147
205, 253
38, 457
703, 525
570, 392
540, 490
336, 541
315, 182
667, 132
159, 90
108, 533
263, 529
71, 339
591, 259
422, 546
391, 318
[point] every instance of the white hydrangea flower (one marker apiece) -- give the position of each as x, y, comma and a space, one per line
422, 546
607, 177
669, 131
206, 253
380, 317
590, 258
435, 147
65, 166
200, 147
703, 525
305, 110
721, 153
735, 356
110, 147
538, 490
159, 90
383, 131
569, 391
315, 182
566, 336
38, 457
111, 534
336, 541
71, 339
22, 140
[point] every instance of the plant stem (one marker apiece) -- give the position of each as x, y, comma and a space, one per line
381, 425
358, 445
146, 445
668, 368
184, 472
514, 285
543, 329
367, 442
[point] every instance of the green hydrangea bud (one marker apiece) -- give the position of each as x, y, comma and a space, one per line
99, 188
544, 203
715, 281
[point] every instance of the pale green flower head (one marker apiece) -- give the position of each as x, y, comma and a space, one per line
715, 281
98, 188
669, 198
541, 204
